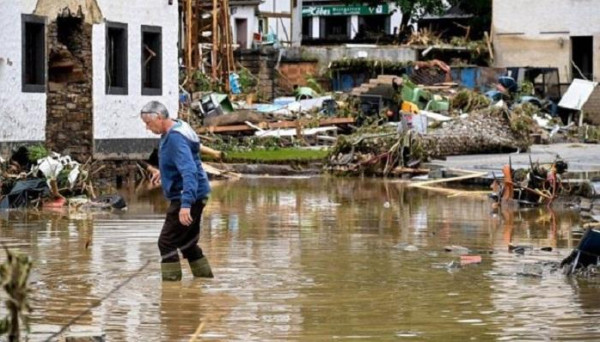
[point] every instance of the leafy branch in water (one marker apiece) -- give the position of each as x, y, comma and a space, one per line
14, 273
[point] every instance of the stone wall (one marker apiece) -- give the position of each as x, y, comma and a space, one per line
69, 128
262, 65
327, 54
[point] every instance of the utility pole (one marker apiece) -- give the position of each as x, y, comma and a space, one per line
296, 23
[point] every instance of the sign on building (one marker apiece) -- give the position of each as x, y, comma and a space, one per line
324, 11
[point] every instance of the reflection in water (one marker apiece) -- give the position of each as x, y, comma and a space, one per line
309, 260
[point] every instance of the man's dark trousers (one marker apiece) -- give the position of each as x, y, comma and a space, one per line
174, 235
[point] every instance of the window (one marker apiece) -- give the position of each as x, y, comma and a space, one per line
263, 25
151, 60
307, 28
116, 58
335, 27
33, 30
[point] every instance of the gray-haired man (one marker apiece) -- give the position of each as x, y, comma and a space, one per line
185, 184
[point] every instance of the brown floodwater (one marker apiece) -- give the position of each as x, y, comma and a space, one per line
315, 259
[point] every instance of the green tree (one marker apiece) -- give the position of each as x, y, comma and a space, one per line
411, 9
415, 9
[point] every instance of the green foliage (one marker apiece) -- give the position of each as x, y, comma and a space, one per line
521, 119
526, 109
467, 101
314, 84
412, 9
63, 177
591, 133
527, 88
277, 155
202, 83
247, 144
36, 152
248, 81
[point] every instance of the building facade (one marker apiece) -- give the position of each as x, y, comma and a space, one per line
254, 21
244, 22
555, 33
74, 74
339, 21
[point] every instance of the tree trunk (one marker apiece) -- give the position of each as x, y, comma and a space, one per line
474, 135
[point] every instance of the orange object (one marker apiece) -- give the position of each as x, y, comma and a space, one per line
508, 183
470, 259
56, 203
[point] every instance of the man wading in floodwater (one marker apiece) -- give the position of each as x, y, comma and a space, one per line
185, 184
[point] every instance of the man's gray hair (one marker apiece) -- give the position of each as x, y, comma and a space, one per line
155, 107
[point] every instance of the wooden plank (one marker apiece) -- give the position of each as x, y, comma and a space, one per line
272, 125
470, 175
274, 15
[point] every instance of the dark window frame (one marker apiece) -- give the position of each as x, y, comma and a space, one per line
152, 91
122, 61
39, 85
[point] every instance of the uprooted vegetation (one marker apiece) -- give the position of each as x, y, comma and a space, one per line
34, 177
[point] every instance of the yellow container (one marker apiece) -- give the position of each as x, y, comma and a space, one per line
409, 107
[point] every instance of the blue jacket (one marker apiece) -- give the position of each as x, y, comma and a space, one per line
181, 172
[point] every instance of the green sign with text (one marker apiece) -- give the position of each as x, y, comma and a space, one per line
324, 11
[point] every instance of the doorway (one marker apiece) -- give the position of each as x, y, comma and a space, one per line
582, 55
241, 29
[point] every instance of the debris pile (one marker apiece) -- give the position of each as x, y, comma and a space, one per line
487, 131
538, 185
404, 115
404, 145
36, 178
371, 151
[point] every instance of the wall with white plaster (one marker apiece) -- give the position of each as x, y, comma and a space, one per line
22, 115
531, 17
537, 33
248, 13
117, 116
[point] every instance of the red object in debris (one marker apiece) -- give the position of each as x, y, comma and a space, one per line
470, 259
56, 203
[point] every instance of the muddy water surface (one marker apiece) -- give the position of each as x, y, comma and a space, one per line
310, 260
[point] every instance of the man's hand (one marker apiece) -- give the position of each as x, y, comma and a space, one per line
154, 175
185, 217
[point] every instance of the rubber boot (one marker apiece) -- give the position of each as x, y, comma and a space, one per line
201, 268
171, 271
